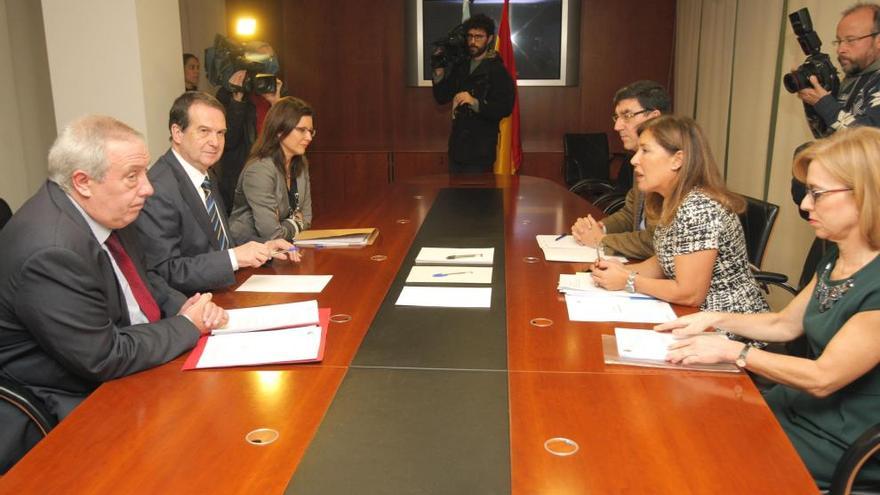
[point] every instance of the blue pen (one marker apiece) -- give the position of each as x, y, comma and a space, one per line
291, 249
561, 236
450, 273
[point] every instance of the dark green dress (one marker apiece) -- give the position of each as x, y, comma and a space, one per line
821, 429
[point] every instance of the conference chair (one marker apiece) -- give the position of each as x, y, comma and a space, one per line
849, 465
5, 212
586, 170
757, 222
18, 403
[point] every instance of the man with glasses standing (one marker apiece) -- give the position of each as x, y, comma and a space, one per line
628, 231
858, 52
481, 93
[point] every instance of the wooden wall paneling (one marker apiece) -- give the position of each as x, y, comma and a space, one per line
543, 164
365, 175
416, 164
325, 172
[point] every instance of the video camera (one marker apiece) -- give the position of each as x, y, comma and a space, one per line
450, 50
817, 63
227, 57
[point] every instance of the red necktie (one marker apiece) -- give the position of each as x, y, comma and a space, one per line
135, 282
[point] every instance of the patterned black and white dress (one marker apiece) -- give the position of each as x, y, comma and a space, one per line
701, 223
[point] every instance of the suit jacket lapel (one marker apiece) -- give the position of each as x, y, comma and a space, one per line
116, 300
191, 198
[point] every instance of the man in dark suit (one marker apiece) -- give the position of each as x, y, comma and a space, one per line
482, 93
183, 228
76, 305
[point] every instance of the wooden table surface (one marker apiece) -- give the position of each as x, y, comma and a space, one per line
639, 430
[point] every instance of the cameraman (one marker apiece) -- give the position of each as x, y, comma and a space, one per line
482, 94
858, 52
245, 113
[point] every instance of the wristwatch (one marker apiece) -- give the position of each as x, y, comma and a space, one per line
741, 359
631, 282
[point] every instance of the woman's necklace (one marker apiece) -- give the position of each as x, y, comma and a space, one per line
828, 295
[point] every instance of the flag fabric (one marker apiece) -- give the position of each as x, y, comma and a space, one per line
509, 151
465, 10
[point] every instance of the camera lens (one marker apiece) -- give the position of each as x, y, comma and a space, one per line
794, 81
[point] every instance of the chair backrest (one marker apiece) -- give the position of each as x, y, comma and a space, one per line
25, 420
586, 157
5, 212
866, 446
757, 222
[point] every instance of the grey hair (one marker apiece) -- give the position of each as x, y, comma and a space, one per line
81, 145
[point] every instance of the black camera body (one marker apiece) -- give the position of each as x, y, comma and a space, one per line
450, 50
817, 63
227, 57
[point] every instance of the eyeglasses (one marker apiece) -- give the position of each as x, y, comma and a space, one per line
627, 116
476, 37
306, 130
852, 39
815, 194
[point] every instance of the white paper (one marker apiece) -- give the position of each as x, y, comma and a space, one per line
273, 346
455, 256
446, 297
269, 317
581, 283
642, 344
567, 249
309, 284
450, 275
615, 308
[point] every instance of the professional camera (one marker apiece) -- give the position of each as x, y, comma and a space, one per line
451, 50
227, 57
817, 63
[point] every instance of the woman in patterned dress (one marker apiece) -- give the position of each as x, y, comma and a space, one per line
826, 399
700, 247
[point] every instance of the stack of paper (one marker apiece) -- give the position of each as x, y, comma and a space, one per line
270, 317
648, 348
288, 345
455, 256
581, 284
336, 237
446, 297
285, 283
598, 307
568, 249
450, 275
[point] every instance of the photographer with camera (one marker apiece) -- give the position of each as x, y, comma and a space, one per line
481, 92
857, 102
247, 99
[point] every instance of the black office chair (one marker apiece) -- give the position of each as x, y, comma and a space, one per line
17, 402
5, 212
864, 448
757, 222
586, 165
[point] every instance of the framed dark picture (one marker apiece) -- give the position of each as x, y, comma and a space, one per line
544, 35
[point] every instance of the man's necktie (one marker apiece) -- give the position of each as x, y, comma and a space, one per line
141, 294
214, 215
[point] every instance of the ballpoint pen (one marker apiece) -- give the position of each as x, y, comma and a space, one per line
450, 273
457, 256
291, 249
561, 236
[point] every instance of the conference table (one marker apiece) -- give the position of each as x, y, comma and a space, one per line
427, 400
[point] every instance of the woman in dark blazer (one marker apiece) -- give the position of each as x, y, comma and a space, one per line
273, 196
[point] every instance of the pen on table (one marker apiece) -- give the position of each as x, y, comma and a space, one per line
291, 249
561, 236
450, 273
457, 256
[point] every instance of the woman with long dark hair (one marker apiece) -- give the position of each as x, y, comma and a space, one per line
273, 196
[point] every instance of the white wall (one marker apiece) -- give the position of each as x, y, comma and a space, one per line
27, 126
200, 21
117, 57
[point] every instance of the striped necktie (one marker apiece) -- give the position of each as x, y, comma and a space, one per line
214, 215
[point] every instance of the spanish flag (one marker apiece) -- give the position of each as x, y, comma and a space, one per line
509, 152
